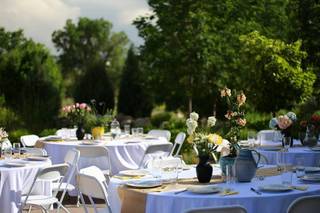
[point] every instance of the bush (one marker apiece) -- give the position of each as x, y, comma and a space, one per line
14, 136
47, 132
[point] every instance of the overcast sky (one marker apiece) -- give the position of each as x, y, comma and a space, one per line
39, 18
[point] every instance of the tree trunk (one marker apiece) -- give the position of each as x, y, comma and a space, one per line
190, 104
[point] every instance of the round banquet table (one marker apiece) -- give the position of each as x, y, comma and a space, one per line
16, 181
275, 202
125, 153
310, 157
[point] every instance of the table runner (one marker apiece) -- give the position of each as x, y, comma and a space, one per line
137, 197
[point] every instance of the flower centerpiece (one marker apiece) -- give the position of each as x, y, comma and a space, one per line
99, 119
206, 144
76, 114
284, 123
309, 130
235, 115
4, 141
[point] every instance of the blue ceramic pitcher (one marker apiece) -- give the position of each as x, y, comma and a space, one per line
246, 165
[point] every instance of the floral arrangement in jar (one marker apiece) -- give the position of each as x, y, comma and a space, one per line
284, 123
203, 140
76, 113
3, 134
235, 115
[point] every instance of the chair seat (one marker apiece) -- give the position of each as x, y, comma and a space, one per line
70, 187
40, 200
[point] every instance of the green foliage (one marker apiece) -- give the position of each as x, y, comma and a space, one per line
47, 132
14, 136
274, 70
87, 40
95, 84
30, 80
133, 97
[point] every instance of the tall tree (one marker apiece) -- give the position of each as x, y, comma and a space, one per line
192, 47
30, 79
80, 43
275, 70
134, 99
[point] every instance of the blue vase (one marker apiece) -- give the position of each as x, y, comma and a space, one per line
224, 161
246, 165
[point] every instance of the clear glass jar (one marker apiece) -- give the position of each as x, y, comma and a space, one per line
115, 128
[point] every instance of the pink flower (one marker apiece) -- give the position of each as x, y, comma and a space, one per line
229, 114
77, 105
241, 98
284, 122
82, 106
241, 122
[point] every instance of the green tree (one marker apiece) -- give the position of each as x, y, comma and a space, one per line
133, 97
30, 80
80, 43
95, 84
274, 70
192, 47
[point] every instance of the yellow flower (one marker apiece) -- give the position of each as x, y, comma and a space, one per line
215, 139
190, 139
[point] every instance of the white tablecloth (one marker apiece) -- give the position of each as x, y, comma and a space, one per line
125, 153
16, 181
177, 203
310, 158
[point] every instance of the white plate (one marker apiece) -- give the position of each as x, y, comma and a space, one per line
315, 149
88, 143
12, 164
37, 158
311, 177
137, 172
310, 169
271, 148
208, 189
275, 188
144, 184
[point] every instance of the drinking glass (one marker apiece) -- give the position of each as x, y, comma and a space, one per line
286, 175
7, 152
140, 131
280, 160
286, 141
134, 131
127, 129
251, 139
16, 150
179, 167
230, 174
300, 169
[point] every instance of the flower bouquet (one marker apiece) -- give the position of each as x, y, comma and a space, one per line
206, 145
284, 123
309, 130
235, 115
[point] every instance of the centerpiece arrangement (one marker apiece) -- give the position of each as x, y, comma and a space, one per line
77, 113
235, 122
284, 123
309, 130
4, 141
206, 145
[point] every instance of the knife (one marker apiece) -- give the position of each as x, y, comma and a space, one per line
180, 191
256, 191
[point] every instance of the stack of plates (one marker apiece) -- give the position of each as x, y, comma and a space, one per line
37, 158
275, 188
142, 184
311, 177
134, 173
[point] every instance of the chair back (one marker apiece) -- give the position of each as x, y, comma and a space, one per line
29, 140
155, 149
222, 209
92, 183
310, 204
178, 142
160, 133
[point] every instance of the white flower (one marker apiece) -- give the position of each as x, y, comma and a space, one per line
192, 125
211, 121
224, 148
194, 116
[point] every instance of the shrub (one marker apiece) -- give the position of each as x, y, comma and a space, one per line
14, 136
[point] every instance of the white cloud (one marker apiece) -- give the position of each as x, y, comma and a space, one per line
39, 18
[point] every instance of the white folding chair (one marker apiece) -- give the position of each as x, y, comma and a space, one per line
180, 138
160, 133
92, 183
95, 152
29, 140
71, 159
155, 150
53, 173
35, 151
222, 209
309, 204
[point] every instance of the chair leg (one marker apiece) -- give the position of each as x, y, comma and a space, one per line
64, 208
30, 208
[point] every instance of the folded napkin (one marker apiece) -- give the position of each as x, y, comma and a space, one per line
228, 192
300, 188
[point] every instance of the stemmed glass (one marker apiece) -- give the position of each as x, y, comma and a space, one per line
286, 143
179, 167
